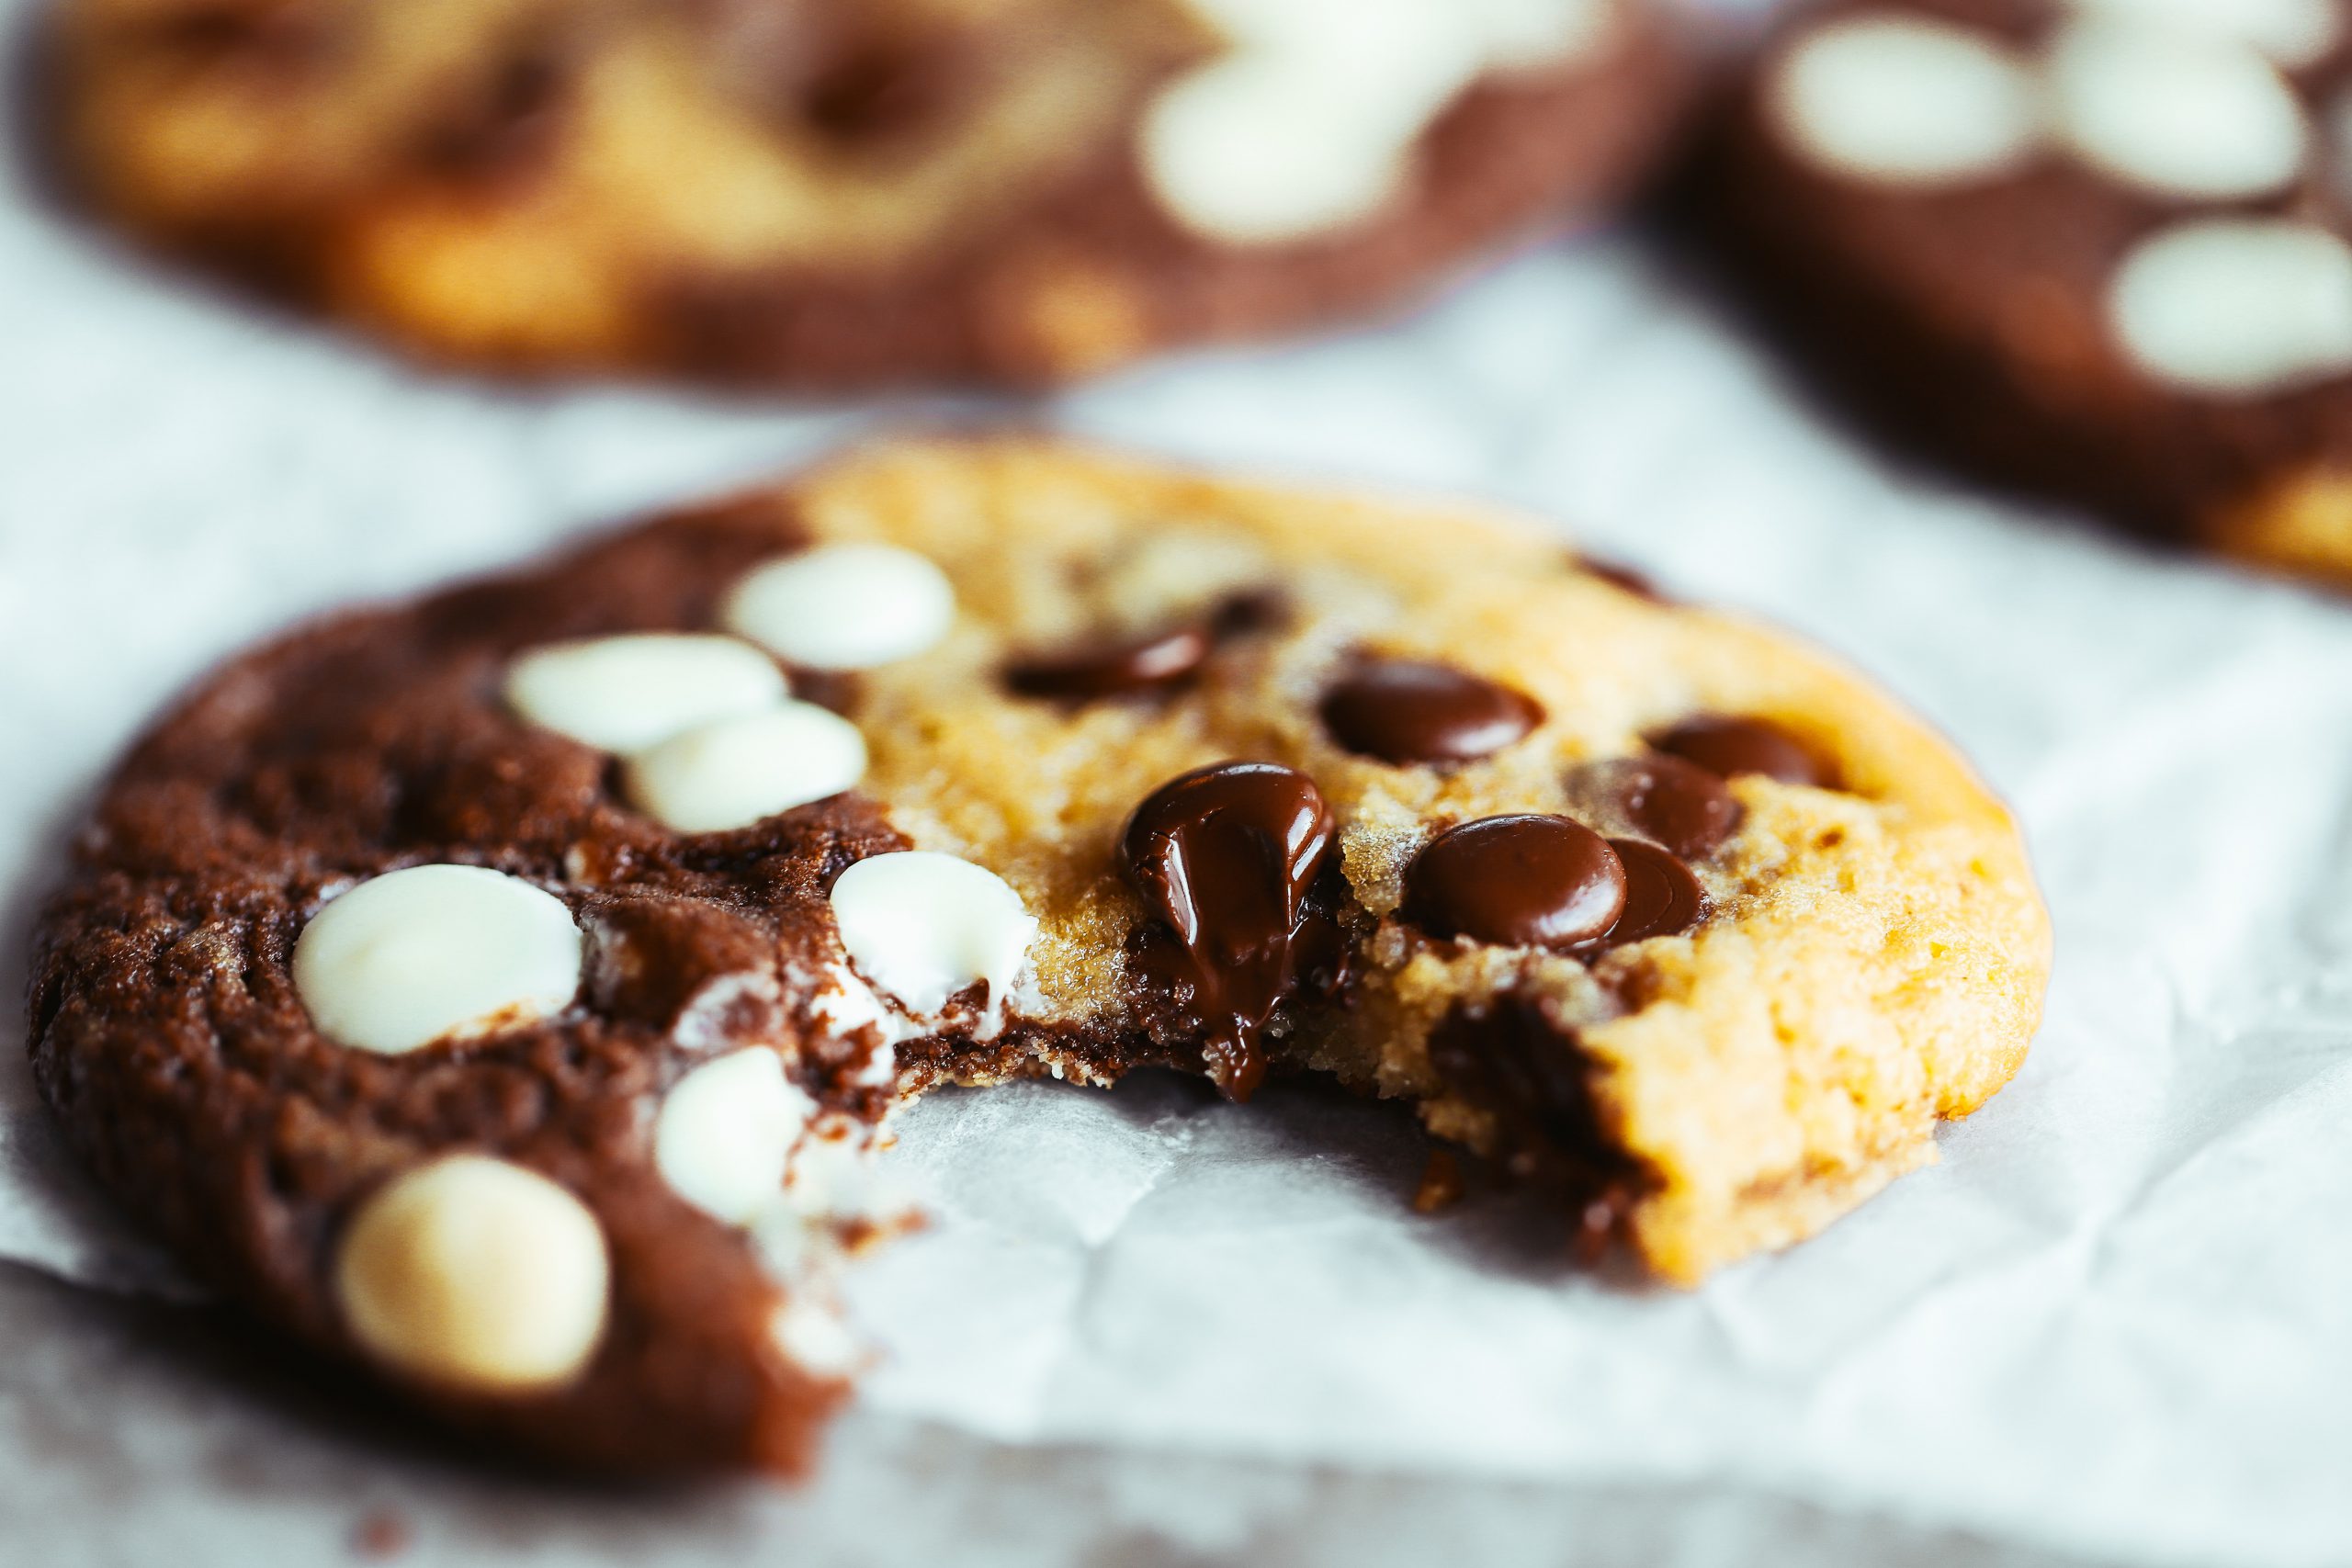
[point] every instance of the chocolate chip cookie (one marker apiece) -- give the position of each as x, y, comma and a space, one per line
832, 192
2093, 249
504, 990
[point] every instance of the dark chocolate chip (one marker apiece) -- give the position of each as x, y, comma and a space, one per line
1519, 881
1410, 710
1729, 747
507, 125
1662, 897
886, 88
1617, 575
1224, 856
1680, 804
1111, 667
1507, 1058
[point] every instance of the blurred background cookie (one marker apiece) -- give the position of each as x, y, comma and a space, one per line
2092, 249
830, 192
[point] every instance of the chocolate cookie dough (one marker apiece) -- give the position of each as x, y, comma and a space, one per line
833, 192
2095, 250
505, 990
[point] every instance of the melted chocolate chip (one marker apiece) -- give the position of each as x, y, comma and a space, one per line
1517, 881
1729, 747
1662, 897
1111, 668
1409, 710
1680, 804
1225, 857
1511, 1060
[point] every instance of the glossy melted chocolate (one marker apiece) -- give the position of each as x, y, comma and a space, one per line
1224, 857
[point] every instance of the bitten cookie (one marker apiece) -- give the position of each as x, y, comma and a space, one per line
2094, 249
505, 989
830, 192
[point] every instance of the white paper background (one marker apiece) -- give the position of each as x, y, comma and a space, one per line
2117, 1319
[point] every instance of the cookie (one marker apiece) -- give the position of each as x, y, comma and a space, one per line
2091, 250
840, 192
503, 990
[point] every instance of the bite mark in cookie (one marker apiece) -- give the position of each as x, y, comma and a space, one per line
1715, 976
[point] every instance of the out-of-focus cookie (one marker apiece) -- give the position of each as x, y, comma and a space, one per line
829, 192
504, 990
2094, 249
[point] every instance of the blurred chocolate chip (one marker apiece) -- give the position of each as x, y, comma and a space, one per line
507, 124
888, 87
1224, 857
1412, 710
1680, 804
1518, 881
1618, 575
1662, 897
275, 33
1112, 666
1728, 747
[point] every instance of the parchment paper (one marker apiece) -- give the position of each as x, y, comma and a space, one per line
2116, 1319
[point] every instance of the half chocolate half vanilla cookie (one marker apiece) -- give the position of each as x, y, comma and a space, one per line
824, 192
506, 990
2095, 250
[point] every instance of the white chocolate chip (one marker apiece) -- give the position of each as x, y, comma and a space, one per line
475, 1273
844, 606
731, 773
1905, 100
922, 926
2292, 32
1308, 123
2237, 307
436, 952
2180, 115
1531, 34
725, 1132
624, 694
1248, 151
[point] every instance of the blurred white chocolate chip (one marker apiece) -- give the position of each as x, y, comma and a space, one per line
436, 952
731, 773
2178, 115
2292, 32
847, 606
1307, 121
624, 694
1905, 100
922, 926
725, 1132
1250, 152
2237, 307
475, 1274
